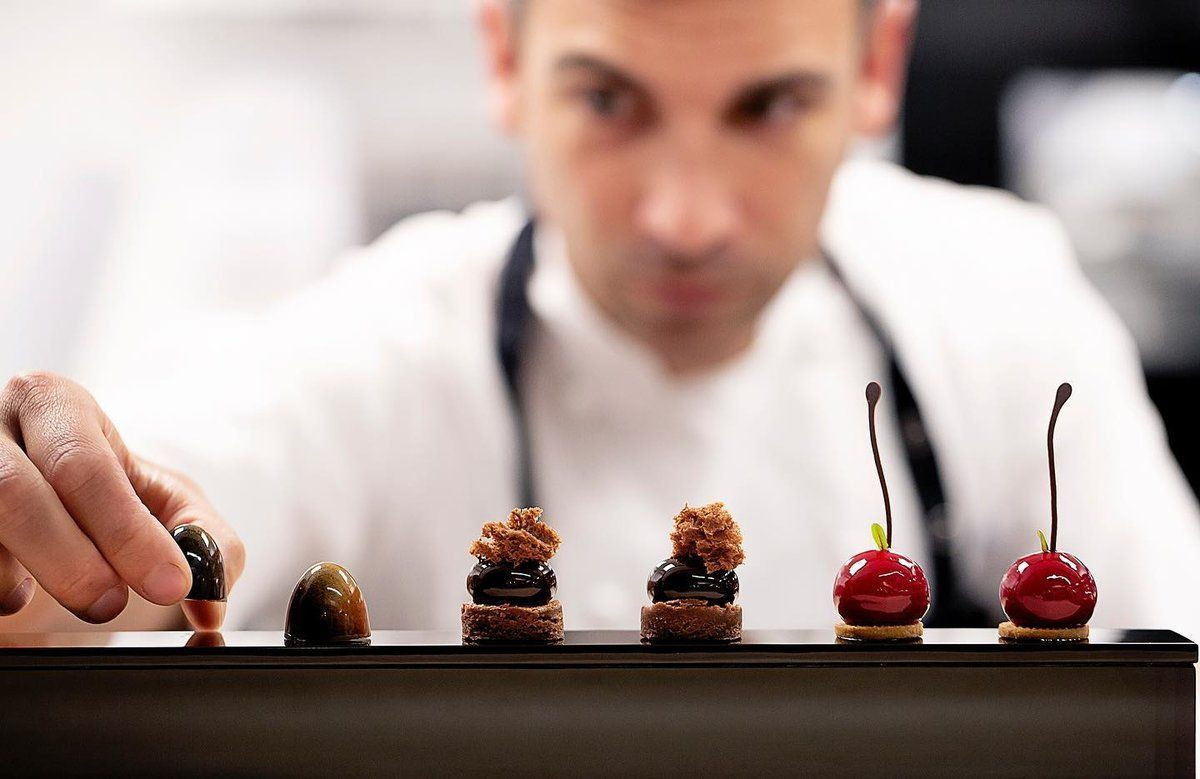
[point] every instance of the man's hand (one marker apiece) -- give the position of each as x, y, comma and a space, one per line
87, 520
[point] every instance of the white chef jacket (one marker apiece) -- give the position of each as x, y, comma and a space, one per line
366, 421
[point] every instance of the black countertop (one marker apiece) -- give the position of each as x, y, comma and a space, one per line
594, 648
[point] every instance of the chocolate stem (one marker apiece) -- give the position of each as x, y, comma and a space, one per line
1064, 392
873, 394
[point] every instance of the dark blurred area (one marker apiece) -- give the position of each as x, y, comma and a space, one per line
970, 57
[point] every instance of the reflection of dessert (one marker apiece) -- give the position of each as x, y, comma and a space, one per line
512, 587
203, 639
1049, 595
693, 592
880, 595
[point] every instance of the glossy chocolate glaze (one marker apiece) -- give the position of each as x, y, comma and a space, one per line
530, 583
204, 558
327, 607
676, 579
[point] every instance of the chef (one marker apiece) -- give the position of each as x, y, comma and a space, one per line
684, 307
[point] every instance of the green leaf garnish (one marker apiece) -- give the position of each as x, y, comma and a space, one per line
1042, 538
880, 536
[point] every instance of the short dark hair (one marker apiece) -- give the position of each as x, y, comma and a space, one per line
517, 5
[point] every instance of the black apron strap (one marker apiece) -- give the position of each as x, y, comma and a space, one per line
951, 608
513, 317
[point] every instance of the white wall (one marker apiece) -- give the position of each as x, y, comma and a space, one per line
218, 152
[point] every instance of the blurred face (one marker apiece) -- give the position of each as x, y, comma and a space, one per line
685, 148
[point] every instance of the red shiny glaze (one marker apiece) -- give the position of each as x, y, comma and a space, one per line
1048, 590
881, 587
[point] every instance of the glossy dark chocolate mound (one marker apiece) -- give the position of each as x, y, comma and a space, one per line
530, 583
483, 624
691, 620
688, 579
327, 607
204, 558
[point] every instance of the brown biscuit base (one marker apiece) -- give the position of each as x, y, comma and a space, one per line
523, 624
879, 632
1016, 633
691, 620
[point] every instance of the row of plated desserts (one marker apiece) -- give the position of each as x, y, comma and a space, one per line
880, 594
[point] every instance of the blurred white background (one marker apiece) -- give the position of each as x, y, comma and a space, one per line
167, 159
185, 156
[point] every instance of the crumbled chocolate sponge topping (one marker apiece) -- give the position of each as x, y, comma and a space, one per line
709, 533
522, 537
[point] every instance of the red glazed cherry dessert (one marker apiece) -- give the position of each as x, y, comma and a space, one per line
881, 587
1048, 590
880, 595
1049, 595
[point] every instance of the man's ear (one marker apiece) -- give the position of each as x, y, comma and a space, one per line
887, 40
497, 27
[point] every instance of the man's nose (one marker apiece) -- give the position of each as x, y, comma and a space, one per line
687, 210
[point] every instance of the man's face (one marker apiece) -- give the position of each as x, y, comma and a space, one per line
685, 147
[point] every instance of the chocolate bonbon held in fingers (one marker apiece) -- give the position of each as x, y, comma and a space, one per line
880, 595
1049, 595
204, 559
692, 593
512, 585
327, 608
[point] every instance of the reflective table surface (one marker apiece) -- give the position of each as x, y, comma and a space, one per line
815, 647
779, 703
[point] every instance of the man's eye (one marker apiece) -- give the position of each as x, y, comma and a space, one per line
607, 102
768, 108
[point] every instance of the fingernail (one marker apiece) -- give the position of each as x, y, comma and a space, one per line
107, 606
165, 584
19, 598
